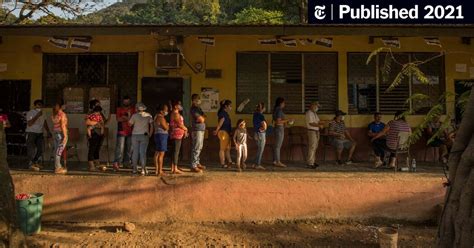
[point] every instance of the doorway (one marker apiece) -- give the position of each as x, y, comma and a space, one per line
460, 87
156, 91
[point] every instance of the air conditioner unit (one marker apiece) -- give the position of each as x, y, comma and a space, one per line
167, 60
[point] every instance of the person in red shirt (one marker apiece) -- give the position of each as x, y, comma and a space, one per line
124, 133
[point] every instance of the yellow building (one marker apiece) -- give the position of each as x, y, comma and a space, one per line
306, 63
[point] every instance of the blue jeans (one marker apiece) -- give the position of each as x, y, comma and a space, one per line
139, 147
279, 136
123, 149
58, 149
198, 142
260, 138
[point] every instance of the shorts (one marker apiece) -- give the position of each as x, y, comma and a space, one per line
224, 140
161, 142
341, 144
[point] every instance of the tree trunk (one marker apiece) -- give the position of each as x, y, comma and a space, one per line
456, 228
9, 233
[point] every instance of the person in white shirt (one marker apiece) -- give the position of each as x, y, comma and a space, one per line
142, 130
312, 124
34, 134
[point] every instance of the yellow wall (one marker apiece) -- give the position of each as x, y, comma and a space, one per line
23, 63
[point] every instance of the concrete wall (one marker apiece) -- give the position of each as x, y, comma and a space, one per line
235, 197
24, 63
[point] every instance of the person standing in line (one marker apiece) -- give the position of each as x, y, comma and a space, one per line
161, 137
312, 124
124, 133
178, 132
142, 128
95, 135
198, 119
36, 123
60, 125
279, 121
260, 128
223, 130
240, 140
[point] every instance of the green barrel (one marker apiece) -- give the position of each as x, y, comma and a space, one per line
29, 213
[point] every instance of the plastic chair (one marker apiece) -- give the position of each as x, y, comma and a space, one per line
403, 147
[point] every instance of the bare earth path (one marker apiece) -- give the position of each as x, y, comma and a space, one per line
302, 233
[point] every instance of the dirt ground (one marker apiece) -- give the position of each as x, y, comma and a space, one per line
301, 233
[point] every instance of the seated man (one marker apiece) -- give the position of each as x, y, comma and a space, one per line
341, 138
391, 131
378, 145
440, 140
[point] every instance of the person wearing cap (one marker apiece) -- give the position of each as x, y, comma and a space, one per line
312, 124
341, 138
142, 128
124, 133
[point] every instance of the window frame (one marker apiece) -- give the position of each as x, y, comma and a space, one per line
303, 75
442, 82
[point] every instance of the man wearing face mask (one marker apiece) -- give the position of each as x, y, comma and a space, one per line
34, 134
124, 133
312, 124
198, 120
341, 138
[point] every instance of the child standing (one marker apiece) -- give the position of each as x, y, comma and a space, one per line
240, 140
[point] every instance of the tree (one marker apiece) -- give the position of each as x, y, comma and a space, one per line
456, 228
109, 15
10, 235
258, 16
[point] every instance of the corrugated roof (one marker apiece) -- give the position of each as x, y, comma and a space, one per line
302, 29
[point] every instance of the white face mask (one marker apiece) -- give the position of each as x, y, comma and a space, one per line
180, 108
342, 118
198, 102
230, 109
165, 113
316, 109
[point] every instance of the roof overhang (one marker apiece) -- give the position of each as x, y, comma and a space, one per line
286, 30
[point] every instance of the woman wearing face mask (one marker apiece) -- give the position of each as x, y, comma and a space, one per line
178, 132
260, 128
312, 124
161, 137
223, 130
60, 135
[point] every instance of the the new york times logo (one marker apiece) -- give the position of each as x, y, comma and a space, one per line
390, 12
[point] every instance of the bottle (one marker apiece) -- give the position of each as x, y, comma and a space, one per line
413, 165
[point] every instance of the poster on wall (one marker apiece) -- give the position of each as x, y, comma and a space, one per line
209, 99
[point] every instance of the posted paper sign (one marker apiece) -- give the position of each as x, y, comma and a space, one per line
461, 68
209, 99
3, 67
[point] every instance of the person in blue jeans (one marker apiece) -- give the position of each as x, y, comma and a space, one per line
279, 121
142, 129
124, 133
198, 122
260, 128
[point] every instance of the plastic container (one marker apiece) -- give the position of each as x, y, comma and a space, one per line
388, 237
29, 213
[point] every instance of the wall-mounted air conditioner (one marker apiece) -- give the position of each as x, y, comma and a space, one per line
167, 60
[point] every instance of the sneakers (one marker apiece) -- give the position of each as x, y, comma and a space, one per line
349, 162
116, 167
378, 164
35, 167
259, 167
279, 164
202, 167
196, 170
60, 170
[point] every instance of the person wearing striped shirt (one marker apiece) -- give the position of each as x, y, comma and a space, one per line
341, 138
391, 131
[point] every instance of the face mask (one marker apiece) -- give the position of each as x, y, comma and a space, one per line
165, 113
263, 110
316, 109
180, 108
198, 102
342, 118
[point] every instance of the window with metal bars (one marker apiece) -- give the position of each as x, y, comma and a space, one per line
300, 78
363, 82
89, 70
